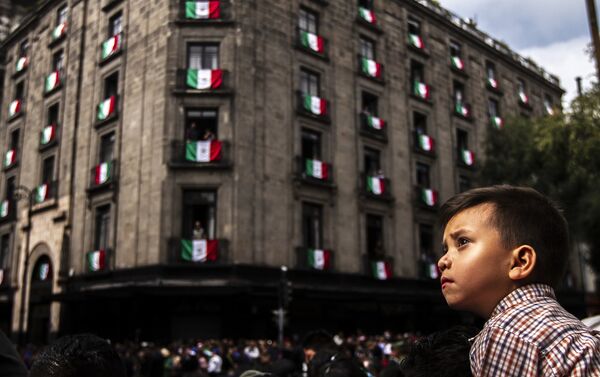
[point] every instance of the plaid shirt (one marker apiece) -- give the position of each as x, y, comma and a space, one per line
530, 334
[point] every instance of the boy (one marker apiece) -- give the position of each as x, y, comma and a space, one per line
505, 248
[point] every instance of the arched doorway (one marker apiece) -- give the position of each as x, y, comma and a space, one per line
38, 328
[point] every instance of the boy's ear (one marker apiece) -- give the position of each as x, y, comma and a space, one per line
523, 259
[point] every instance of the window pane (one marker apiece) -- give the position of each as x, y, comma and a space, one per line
57, 61
414, 26
111, 85
201, 124
375, 236
10, 188
101, 233
14, 139
462, 139
311, 145
107, 147
19, 90
4, 250
48, 170
372, 162
367, 49
53, 114
312, 225
493, 108
423, 175
416, 72
115, 25
369, 104
420, 123
199, 215
62, 15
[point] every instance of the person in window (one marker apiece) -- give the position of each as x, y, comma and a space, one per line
198, 232
379, 173
378, 250
208, 135
193, 133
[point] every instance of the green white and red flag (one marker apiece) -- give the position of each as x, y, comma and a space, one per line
22, 63
462, 109
315, 105
203, 151
14, 108
421, 90
319, 259
96, 260
492, 83
52, 81
10, 157
468, 157
204, 78
311, 41
317, 169
202, 10
59, 31
457, 63
44, 271
375, 123
367, 15
199, 250
429, 197
426, 143
416, 41
103, 173
107, 108
376, 185
523, 97
41, 193
4, 208
48, 134
371, 68
111, 45
382, 270
497, 122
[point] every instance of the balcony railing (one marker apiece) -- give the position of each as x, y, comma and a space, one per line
204, 251
58, 33
112, 47
424, 143
370, 68
48, 136
315, 171
315, 259
373, 126
98, 260
378, 267
8, 212
202, 80
313, 106
202, 154
426, 197
53, 81
376, 187
313, 43
107, 110
204, 11
45, 192
104, 174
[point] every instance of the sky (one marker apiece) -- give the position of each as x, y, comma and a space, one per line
554, 33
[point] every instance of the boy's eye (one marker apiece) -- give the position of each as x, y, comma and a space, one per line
462, 241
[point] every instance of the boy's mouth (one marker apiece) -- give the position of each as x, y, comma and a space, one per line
445, 281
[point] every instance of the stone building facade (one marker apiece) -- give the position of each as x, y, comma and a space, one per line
316, 134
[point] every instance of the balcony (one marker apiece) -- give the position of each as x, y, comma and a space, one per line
458, 65
497, 122
314, 172
203, 82
415, 43
21, 65
524, 101
370, 68
48, 137
373, 127
376, 187
206, 155
314, 259
46, 192
493, 85
366, 17
378, 267
112, 47
107, 110
10, 159
421, 91
8, 210
15, 109
313, 107
463, 110
426, 197
312, 43
466, 158
58, 34
424, 144
205, 12
103, 176
98, 261
201, 252
54, 81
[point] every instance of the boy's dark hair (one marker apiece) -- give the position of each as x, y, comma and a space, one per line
522, 216
329, 362
83, 355
441, 354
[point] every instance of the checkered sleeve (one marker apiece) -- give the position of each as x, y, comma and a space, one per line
501, 353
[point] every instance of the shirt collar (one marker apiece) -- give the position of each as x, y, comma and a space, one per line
526, 293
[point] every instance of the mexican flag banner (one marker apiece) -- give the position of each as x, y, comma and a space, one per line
202, 10
421, 90
22, 63
41, 193
457, 63
415, 41
319, 259
492, 83
367, 15
199, 250
316, 169
103, 173
4, 208
52, 81
523, 97
375, 123
462, 109
107, 108
381, 270
203, 151
59, 31
47, 134
375, 185
10, 157
468, 157
311, 41
14, 108
429, 197
497, 122
204, 78
426, 143
96, 260
315, 105
110, 46
371, 68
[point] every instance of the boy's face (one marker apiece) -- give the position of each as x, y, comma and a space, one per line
475, 265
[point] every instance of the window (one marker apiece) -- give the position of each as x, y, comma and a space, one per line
370, 104
493, 108
62, 15
309, 83
423, 179
47, 170
459, 93
308, 21
201, 124
367, 48
462, 140
311, 145
115, 24
58, 61
15, 137
53, 114
203, 56
10, 188
372, 161
427, 258
200, 206
548, 105
375, 236
417, 72
20, 90
102, 228
420, 123
414, 26
368, 4
490, 68
312, 225
111, 85
455, 49
107, 147
24, 48
522, 91
4, 250
464, 183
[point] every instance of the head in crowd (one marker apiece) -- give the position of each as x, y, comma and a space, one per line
83, 355
315, 341
327, 363
441, 354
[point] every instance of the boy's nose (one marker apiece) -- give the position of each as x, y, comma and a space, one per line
443, 263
